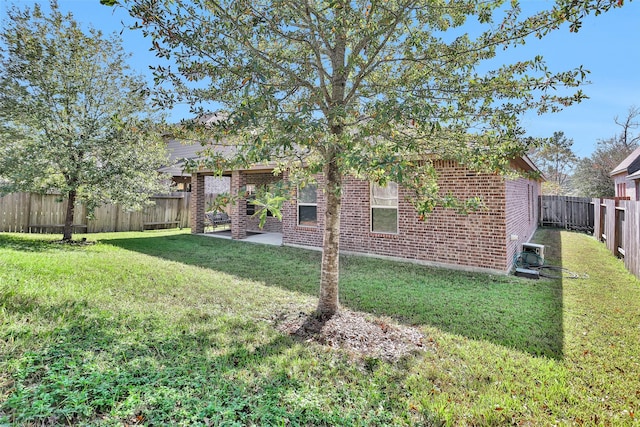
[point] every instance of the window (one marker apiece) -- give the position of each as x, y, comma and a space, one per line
183, 186
250, 194
384, 208
622, 190
529, 200
308, 205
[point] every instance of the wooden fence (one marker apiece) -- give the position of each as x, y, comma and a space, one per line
617, 225
615, 222
571, 213
41, 213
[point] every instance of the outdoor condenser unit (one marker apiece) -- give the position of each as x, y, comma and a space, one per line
531, 249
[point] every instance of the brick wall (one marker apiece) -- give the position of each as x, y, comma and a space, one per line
212, 184
294, 234
476, 240
196, 210
238, 209
273, 225
521, 213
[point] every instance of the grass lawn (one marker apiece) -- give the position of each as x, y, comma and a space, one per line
165, 328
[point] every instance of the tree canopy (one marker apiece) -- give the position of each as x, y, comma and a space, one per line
372, 88
75, 119
556, 160
592, 175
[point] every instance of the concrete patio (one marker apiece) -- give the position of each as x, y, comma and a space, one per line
266, 238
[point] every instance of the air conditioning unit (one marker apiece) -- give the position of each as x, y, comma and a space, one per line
533, 253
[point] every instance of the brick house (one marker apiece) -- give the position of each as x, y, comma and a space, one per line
381, 222
626, 176
181, 180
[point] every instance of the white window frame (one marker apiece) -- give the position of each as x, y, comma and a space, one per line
373, 206
307, 204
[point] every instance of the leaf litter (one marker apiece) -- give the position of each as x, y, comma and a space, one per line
359, 334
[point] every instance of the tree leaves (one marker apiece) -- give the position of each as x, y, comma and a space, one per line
556, 160
75, 121
592, 175
375, 89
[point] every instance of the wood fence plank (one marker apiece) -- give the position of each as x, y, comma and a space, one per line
615, 222
571, 213
19, 211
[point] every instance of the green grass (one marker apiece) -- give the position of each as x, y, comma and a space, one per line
165, 328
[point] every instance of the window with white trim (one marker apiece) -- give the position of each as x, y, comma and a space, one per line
384, 208
308, 205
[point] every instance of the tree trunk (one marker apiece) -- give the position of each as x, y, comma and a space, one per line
68, 221
328, 304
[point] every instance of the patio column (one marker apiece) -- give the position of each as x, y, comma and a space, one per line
239, 208
196, 207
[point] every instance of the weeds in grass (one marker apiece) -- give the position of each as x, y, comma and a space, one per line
480, 306
164, 328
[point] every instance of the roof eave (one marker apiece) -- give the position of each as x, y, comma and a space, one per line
526, 164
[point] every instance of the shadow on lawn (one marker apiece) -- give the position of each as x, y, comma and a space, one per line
517, 313
551, 238
142, 370
17, 242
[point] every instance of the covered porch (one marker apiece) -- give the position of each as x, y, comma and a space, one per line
243, 184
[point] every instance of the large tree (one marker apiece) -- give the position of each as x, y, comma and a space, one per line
556, 160
592, 175
74, 119
372, 88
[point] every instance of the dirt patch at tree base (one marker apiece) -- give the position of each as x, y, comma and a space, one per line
359, 334
82, 242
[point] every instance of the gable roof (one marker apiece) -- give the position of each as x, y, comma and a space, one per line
178, 151
629, 165
525, 163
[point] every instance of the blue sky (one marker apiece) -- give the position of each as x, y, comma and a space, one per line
608, 45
